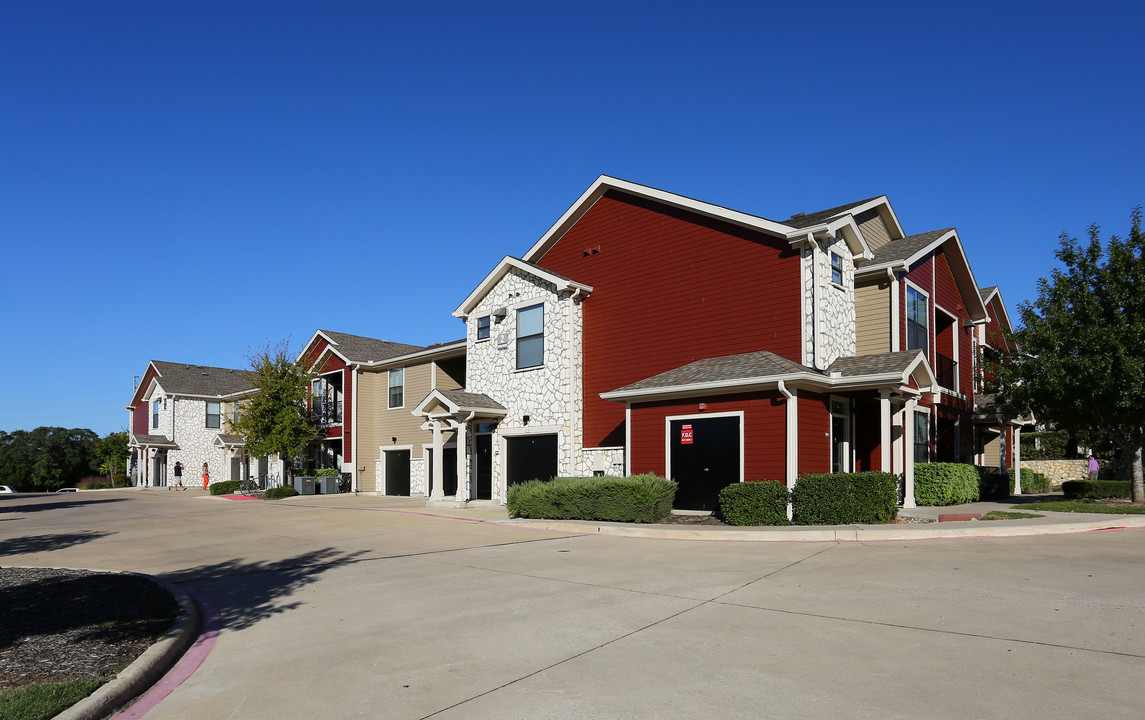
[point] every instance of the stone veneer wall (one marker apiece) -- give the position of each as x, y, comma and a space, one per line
610, 460
1058, 471
836, 305
550, 394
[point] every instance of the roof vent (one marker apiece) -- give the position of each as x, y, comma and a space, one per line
796, 216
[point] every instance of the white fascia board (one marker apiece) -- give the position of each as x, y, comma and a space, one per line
852, 235
927, 373
501, 270
886, 212
434, 394
605, 183
453, 349
997, 295
968, 285
313, 338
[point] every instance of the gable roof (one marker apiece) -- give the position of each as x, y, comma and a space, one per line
201, 380
459, 401
503, 268
911, 248
764, 370
356, 349
805, 220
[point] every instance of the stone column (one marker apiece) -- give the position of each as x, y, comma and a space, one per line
885, 430
908, 455
438, 480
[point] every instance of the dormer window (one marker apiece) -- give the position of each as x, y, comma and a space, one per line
836, 268
483, 328
531, 337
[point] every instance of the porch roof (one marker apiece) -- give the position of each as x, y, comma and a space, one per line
459, 401
225, 440
764, 370
153, 441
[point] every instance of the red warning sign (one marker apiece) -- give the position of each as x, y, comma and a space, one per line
686, 434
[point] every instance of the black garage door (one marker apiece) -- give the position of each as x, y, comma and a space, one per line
531, 457
705, 459
397, 472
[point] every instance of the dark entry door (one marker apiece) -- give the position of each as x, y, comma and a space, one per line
483, 485
705, 458
448, 471
397, 472
531, 457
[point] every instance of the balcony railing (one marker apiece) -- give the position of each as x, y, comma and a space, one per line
328, 412
946, 371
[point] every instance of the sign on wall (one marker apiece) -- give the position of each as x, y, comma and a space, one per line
686, 434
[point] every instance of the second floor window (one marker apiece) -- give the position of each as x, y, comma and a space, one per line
837, 268
916, 314
213, 414
397, 387
483, 328
155, 414
531, 337
235, 413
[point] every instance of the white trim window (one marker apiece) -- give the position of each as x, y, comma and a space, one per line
921, 437
214, 414
155, 414
397, 388
917, 314
530, 337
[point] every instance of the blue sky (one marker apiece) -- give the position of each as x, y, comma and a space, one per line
185, 181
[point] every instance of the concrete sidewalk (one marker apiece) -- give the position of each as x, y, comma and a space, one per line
1051, 524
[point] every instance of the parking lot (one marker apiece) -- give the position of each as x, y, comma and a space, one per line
350, 606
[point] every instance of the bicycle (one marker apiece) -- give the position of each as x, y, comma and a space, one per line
248, 486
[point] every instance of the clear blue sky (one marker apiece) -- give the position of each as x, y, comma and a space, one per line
185, 180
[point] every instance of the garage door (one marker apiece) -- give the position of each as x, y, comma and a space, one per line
397, 472
704, 459
532, 457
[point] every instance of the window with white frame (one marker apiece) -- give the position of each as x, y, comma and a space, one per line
483, 328
155, 414
531, 337
836, 268
214, 414
917, 312
921, 437
397, 387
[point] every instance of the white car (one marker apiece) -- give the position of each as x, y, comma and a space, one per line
5, 490
68, 490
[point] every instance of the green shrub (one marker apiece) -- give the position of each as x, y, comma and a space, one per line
945, 484
1097, 489
1032, 482
280, 492
327, 472
845, 498
1055, 445
762, 502
638, 498
226, 487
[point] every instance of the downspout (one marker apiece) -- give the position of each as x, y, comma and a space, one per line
791, 448
354, 428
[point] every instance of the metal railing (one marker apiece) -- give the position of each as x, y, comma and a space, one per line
946, 371
328, 412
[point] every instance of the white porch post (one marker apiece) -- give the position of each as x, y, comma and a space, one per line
792, 467
885, 430
438, 479
908, 456
1017, 460
462, 465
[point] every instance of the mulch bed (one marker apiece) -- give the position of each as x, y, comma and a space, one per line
62, 625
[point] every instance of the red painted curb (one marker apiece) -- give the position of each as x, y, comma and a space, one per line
955, 517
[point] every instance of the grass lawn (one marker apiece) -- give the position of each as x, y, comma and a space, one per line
1084, 506
41, 702
1003, 515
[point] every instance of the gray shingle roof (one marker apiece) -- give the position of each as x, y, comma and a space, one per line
986, 292
545, 270
748, 366
153, 440
906, 247
184, 379
356, 348
883, 363
463, 398
809, 219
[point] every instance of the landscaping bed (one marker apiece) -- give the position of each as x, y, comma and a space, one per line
74, 630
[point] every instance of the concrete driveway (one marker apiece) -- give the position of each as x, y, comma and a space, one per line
348, 607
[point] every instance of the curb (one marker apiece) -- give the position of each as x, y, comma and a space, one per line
848, 533
148, 668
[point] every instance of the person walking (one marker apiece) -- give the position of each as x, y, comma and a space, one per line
179, 477
206, 476
1094, 467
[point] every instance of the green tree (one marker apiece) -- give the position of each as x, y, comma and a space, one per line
112, 452
276, 419
1081, 359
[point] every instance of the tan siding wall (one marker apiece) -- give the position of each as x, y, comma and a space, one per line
873, 229
445, 382
368, 437
990, 452
400, 422
872, 319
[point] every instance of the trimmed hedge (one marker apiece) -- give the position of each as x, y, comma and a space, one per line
281, 492
945, 484
1097, 489
226, 487
638, 498
991, 485
845, 498
762, 502
1032, 482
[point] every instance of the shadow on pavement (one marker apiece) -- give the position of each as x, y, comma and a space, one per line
247, 592
47, 543
30, 507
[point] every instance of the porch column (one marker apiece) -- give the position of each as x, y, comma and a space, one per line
1017, 460
908, 456
885, 430
792, 467
462, 466
438, 479
898, 460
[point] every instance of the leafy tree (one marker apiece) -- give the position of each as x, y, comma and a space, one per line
46, 458
1081, 359
112, 452
276, 419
